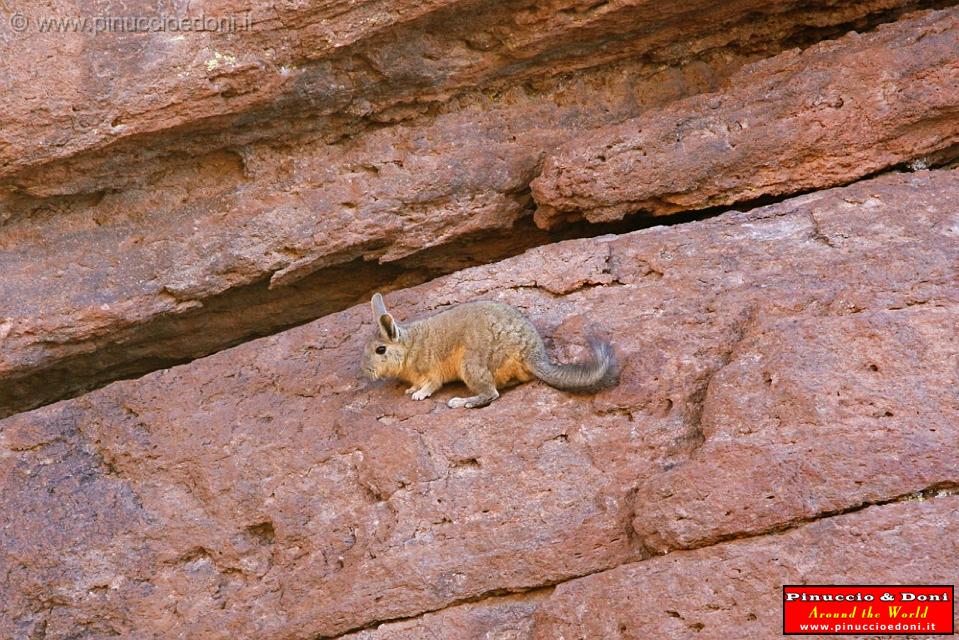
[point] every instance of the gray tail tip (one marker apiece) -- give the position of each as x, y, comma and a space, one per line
605, 358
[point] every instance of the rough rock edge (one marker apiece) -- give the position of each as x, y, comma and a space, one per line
341, 68
832, 114
133, 438
133, 325
542, 598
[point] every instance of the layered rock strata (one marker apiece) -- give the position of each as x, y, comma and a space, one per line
241, 183
831, 114
779, 367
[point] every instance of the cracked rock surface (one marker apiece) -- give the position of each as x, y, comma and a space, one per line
731, 589
830, 114
789, 369
176, 195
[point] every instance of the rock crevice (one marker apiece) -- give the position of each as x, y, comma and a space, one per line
282, 496
188, 447
220, 228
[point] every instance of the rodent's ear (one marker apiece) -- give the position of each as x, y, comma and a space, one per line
388, 327
379, 307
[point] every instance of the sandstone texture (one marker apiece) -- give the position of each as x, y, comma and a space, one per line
836, 112
734, 589
191, 225
730, 590
164, 196
363, 62
779, 368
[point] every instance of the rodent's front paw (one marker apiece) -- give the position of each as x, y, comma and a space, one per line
410, 390
422, 394
456, 403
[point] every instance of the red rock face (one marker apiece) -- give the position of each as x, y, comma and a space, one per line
369, 61
736, 586
228, 185
269, 491
727, 590
828, 115
200, 220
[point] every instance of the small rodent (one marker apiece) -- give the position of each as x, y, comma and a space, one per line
487, 345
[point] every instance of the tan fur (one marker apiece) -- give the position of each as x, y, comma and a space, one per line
512, 371
487, 345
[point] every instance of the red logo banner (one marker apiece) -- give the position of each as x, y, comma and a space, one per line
868, 609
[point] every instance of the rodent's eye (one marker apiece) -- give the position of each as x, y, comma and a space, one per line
381, 349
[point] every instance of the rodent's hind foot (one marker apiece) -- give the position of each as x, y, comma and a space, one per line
473, 402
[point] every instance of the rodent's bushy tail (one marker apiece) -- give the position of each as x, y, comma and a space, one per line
582, 377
